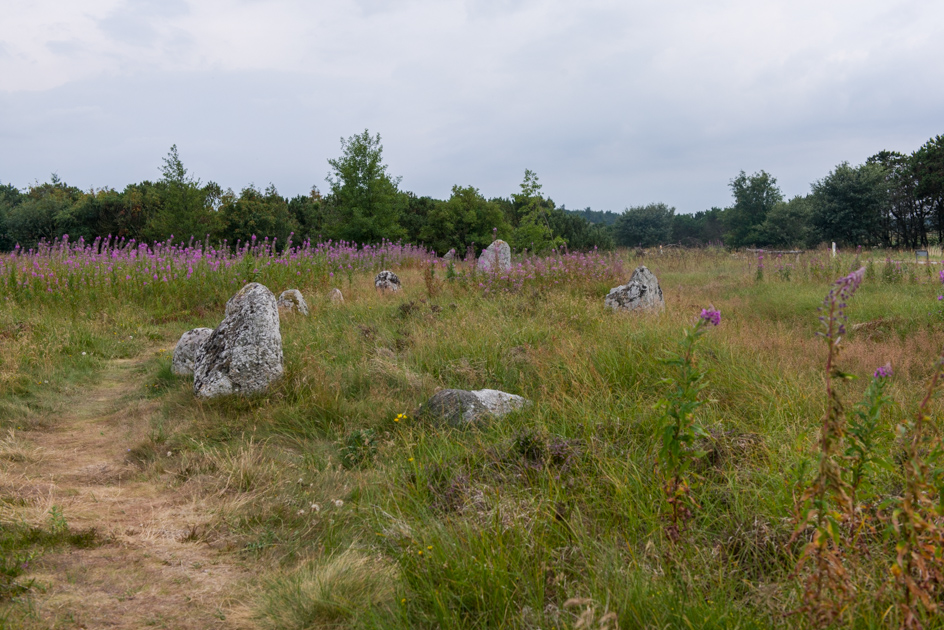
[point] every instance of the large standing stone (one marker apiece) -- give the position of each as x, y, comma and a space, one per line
387, 281
496, 257
641, 293
459, 407
335, 296
244, 354
293, 301
185, 353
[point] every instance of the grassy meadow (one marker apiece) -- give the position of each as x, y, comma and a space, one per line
353, 513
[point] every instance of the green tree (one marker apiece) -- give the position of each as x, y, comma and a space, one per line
94, 214
754, 197
256, 213
788, 224
185, 210
415, 214
364, 197
43, 211
847, 204
308, 213
696, 230
531, 218
928, 166
10, 196
141, 202
465, 218
644, 226
577, 232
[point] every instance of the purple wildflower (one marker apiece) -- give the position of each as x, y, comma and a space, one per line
883, 372
835, 303
711, 316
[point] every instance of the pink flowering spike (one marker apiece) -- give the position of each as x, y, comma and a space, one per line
883, 372
711, 316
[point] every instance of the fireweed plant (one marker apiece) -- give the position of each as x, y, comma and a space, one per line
829, 497
679, 428
861, 438
62, 270
915, 518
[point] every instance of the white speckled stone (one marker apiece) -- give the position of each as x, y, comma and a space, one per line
185, 353
244, 354
459, 407
293, 302
387, 281
495, 257
642, 293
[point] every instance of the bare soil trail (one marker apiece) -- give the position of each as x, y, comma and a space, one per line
152, 570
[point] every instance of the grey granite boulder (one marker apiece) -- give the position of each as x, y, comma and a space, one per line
335, 296
387, 281
450, 255
459, 407
185, 353
292, 301
495, 257
244, 354
642, 293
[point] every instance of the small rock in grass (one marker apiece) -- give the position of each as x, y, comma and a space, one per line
292, 301
459, 407
450, 255
642, 293
495, 257
387, 281
244, 354
185, 353
335, 296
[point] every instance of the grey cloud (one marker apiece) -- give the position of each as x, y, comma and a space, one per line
65, 48
610, 108
133, 21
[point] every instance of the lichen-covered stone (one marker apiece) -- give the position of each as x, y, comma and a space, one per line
292, 301
387, 281
495, 257
243, 355
185, 352
450, 255
459, 407
642, 293
335, 296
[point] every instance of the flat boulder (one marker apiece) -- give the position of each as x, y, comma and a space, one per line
292, 301
459, 407
641, 293
496, 257
243, 355
387, 281
185, 352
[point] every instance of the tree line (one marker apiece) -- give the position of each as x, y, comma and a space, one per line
892, 200
364, 204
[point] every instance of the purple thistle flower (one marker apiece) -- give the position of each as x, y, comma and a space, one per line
711, 316
883, 372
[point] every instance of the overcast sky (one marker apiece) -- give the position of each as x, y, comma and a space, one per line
612, 103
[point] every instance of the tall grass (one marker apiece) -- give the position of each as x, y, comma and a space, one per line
359, 515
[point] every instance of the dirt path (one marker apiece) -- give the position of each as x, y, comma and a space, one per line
150, 572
